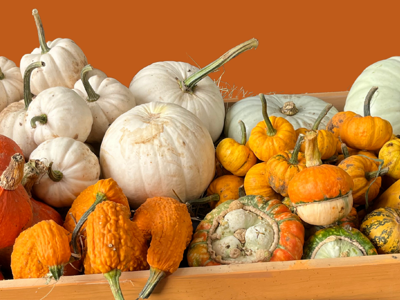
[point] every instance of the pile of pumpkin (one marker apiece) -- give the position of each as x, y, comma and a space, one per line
284, 169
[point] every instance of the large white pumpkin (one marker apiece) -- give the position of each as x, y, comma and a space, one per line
156, 148
11, 85
74, 166
63, 58
385, 103
303, 115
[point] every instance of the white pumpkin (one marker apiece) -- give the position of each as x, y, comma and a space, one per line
11, 85
74, 168
302, 114
384, 74
155, 149
63, 58
187, 86
58, 112
12, 118
107, 99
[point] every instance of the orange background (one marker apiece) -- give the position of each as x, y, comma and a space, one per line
304, 46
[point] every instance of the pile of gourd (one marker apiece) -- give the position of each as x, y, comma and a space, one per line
79, 151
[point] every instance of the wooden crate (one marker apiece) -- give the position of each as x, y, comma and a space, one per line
358, 278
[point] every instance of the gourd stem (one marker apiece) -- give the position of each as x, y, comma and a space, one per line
100, 197
192, 80
345, 150
54, 175
13, 174
271, 131
321, 116
42, 119
204, 200
312, 154
56, 272
113, 280
27, 81
1, 75
373, 174
367, 102
155, 277
33, 170
295, 154
92, 96
39, 26
243, 129
289, 108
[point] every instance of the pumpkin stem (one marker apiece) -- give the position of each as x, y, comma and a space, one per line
312, 154
113, 280
188, 84
27, 81
367, 102
321, 116
204, 200
243, 128
345, 150
33, 170
54, 175
377, 173
100, 197
39, 26
92, 96
271, 131
155, 277
295, 154
289, 108
42, 119
56, 272
12, 176
1, 75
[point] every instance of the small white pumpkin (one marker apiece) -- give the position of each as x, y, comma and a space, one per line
155, 149
63, 58
107, 99
11, 85
73, 168
384, 74
58, 112
300, 110
12, 118
187, 86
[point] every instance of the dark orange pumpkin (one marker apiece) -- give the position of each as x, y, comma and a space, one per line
7, 149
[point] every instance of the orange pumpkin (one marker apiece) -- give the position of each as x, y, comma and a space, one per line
256, 183
367, 133
168, 225
234, 157
8, 148
335, 124
224, 188
271, 136
281, 168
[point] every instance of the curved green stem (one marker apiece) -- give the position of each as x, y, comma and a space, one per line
374, 174
42, 119
54, 175
113, 280
243, 129
192, 80
321, 116
100, 197
295, 154
1, 75
155, 277
56, 272
345, 150
27, 81
208, 199
367, 102
271, 131
39, 26
92, 96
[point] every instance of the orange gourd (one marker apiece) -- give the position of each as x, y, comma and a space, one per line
224, 188
234, 157
256, 183
167, 223
390, 154
335, 124
271, 136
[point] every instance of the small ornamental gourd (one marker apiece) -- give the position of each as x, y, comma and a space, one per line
271, 136
8, 148
321, 194
335, 124
167, 224
41, 251
390, 153
346, 152
11, 85
187, 86
281, 168
256, 183
72, 168
382, 227
248, 230
107, 99
390, 198
366, 133
234, 157
337, 242
63, 58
